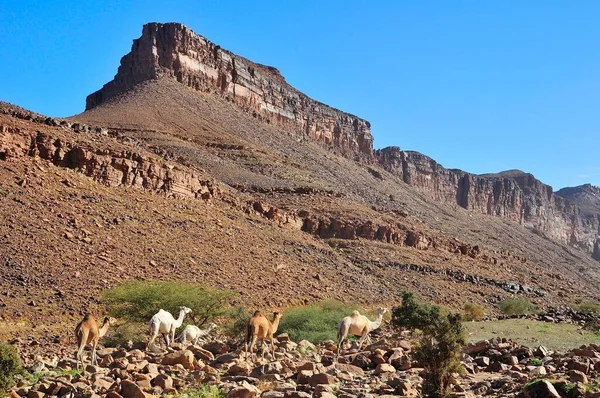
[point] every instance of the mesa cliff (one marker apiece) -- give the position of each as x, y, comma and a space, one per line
173, 51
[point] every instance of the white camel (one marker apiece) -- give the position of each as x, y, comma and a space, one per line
164, 323
192, 333
358, 325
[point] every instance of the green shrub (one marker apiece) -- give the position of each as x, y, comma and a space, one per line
588, 307
10, 366
535, 361
140, 300
238, 322
440, 345
517, 306
473, 312
315, 322
134, 331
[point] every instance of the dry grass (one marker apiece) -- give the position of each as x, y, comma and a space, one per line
555, 336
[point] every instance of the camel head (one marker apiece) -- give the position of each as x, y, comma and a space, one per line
211, 326
185, 310
381, 310
277, 315
110, 320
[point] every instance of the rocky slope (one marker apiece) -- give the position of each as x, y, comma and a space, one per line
387, 368
174, 51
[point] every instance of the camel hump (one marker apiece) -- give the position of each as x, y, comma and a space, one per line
87, 317
257, 313
355, 313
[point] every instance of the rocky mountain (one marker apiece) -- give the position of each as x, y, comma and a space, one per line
174, 51
196, 164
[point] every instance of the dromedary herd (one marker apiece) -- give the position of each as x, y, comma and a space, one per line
259, 328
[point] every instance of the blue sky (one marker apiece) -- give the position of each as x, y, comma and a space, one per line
483, 86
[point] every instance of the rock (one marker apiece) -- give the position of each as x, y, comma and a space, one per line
541, 351
306, 345
184, 358
246, 391
131, 390
540, 389
482, 362
476, 348
304, 376
240, 369
577, 376
351, 369
384, 368
538, 371
35, 394
163, 381
283, 337
362, 361
321, 378
216, 347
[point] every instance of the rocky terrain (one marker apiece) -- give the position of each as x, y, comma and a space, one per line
494, 368
173, 173
174, 52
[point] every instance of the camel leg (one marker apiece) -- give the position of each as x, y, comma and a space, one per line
79, 356
166, 338
94, 360
153, 336
252, 343
362, 340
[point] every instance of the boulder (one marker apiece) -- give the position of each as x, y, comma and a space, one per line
131, 390
163, 381
384, 368
321, 378
184, 358
540, 389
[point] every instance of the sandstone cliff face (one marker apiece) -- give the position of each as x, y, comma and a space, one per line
174, 51
514, 195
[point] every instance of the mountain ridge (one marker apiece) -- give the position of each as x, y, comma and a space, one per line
174, 51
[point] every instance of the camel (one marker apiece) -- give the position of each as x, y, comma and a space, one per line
193, 333
358, 325
87, 332
260, 328
164, 323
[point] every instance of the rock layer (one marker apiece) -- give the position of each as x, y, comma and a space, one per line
174, 51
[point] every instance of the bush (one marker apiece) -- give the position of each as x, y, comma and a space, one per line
440, 344
587, 307
10, 366
517, 306
134, 331
315, 322
473, 312
238, 322
140, 300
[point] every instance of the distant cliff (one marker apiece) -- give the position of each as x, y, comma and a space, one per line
174, 51
513, 194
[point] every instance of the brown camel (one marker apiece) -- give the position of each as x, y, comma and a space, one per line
260, 328
87, 332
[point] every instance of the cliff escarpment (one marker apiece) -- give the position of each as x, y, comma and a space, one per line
174, 51
514, 195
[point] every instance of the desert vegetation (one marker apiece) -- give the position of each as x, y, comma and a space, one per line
314, 322
517, 306
440, 344
10, 365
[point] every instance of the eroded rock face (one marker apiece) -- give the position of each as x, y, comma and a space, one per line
174, 51
514, 195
